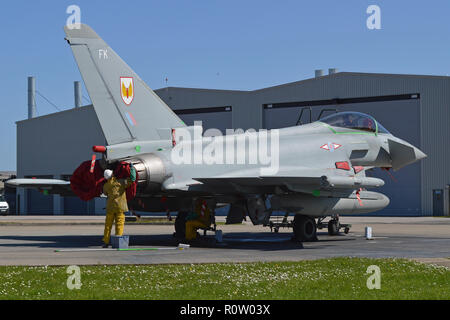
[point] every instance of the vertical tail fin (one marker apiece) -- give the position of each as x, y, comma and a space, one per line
126, 107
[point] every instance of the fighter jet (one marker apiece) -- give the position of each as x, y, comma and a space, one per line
311, 171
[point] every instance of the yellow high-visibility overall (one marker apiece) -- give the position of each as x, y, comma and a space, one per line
202, 220
116, 205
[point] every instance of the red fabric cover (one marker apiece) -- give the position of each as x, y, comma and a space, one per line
87, 185
122, 171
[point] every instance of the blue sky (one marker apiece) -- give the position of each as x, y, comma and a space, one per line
229, 44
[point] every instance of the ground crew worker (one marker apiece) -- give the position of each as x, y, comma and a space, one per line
200, 218
116, 205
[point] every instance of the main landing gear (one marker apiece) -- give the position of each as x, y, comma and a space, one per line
305, 228
180, 225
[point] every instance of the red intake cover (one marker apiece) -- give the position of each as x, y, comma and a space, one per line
87, 185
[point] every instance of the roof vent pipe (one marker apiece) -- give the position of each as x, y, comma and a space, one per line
77, 93
31, 97
332, 71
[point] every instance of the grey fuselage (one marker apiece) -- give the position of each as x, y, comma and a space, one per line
301, 174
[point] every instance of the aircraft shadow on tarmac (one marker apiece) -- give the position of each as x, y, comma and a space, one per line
242, 240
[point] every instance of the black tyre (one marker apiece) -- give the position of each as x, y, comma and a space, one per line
333, 227
304, 228
180, 224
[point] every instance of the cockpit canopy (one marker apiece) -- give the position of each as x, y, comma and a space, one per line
355, 121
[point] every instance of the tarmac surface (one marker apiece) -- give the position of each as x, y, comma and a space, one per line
32, 240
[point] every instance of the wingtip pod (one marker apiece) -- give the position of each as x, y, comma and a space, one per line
80, 30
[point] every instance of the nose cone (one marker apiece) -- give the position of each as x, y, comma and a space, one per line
402, 153
419, 154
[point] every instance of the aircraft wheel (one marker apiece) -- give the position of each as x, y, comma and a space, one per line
180, 225
333, 227
304, 228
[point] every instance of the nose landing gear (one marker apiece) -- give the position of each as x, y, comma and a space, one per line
333, 225
305, 227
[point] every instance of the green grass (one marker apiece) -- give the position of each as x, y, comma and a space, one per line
339, 278
223, 223
162, 221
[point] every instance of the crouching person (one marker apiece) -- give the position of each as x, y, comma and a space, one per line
116, 204
200, 218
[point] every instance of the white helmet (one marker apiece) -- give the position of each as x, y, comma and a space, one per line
108, 174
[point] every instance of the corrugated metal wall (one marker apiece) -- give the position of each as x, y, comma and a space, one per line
57, 143
54, 145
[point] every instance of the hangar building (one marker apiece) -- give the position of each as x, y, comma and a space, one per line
415, 108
